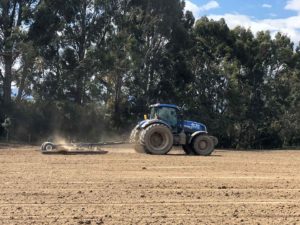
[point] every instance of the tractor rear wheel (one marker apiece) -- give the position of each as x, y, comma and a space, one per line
134, 135
188, 149
203, 145
157, 139
134, 139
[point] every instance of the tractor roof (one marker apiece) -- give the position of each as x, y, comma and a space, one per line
164, 105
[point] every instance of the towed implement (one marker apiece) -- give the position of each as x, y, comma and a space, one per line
48, 147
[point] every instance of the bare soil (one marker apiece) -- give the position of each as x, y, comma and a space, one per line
123, 187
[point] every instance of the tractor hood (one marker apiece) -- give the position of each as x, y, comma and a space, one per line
191, 126
188, 126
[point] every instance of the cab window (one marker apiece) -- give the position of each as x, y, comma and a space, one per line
167, 114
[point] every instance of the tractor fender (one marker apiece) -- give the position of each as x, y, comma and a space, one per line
195, 134
147, 123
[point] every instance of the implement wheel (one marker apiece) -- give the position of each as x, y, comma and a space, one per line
157, 139
203, 145
47, 147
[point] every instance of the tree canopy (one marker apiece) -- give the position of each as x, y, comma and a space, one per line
85, 68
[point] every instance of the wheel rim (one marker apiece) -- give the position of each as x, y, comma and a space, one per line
49, 147
203, 145
157, 140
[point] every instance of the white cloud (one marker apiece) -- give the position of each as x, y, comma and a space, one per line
293, 5
266, 6
197, 10
189, 6
210, 5
289, 26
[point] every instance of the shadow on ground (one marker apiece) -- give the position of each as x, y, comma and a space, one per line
183, 154
75, 152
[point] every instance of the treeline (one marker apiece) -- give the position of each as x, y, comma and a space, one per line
89, 68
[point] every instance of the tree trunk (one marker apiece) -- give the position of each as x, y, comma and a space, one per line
8, 61
80, 86
22, 85
117, 99
7, 27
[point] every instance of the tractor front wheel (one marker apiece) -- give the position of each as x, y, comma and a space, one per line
157, 139
203, 145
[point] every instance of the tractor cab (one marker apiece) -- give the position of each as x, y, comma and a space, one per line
168, 113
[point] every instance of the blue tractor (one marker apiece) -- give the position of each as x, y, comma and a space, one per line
165, 128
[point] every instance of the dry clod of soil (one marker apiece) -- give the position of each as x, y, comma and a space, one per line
222, 187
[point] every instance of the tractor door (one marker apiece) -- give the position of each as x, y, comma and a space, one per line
170, 116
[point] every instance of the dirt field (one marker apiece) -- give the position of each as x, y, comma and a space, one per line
123, 187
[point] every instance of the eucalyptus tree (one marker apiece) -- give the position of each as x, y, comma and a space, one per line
260, 87
288, 124
70, 65
144, 34
212, 64
15, 18
152, 27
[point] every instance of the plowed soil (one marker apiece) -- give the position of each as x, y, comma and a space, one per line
124, 187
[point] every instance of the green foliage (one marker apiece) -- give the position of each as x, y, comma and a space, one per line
92, 67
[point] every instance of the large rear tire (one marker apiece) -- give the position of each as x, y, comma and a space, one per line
134, 135
135, 140
203, 145
157, 139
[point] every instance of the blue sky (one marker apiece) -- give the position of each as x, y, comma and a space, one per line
274, 15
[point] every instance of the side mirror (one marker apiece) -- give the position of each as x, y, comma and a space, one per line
184, 108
